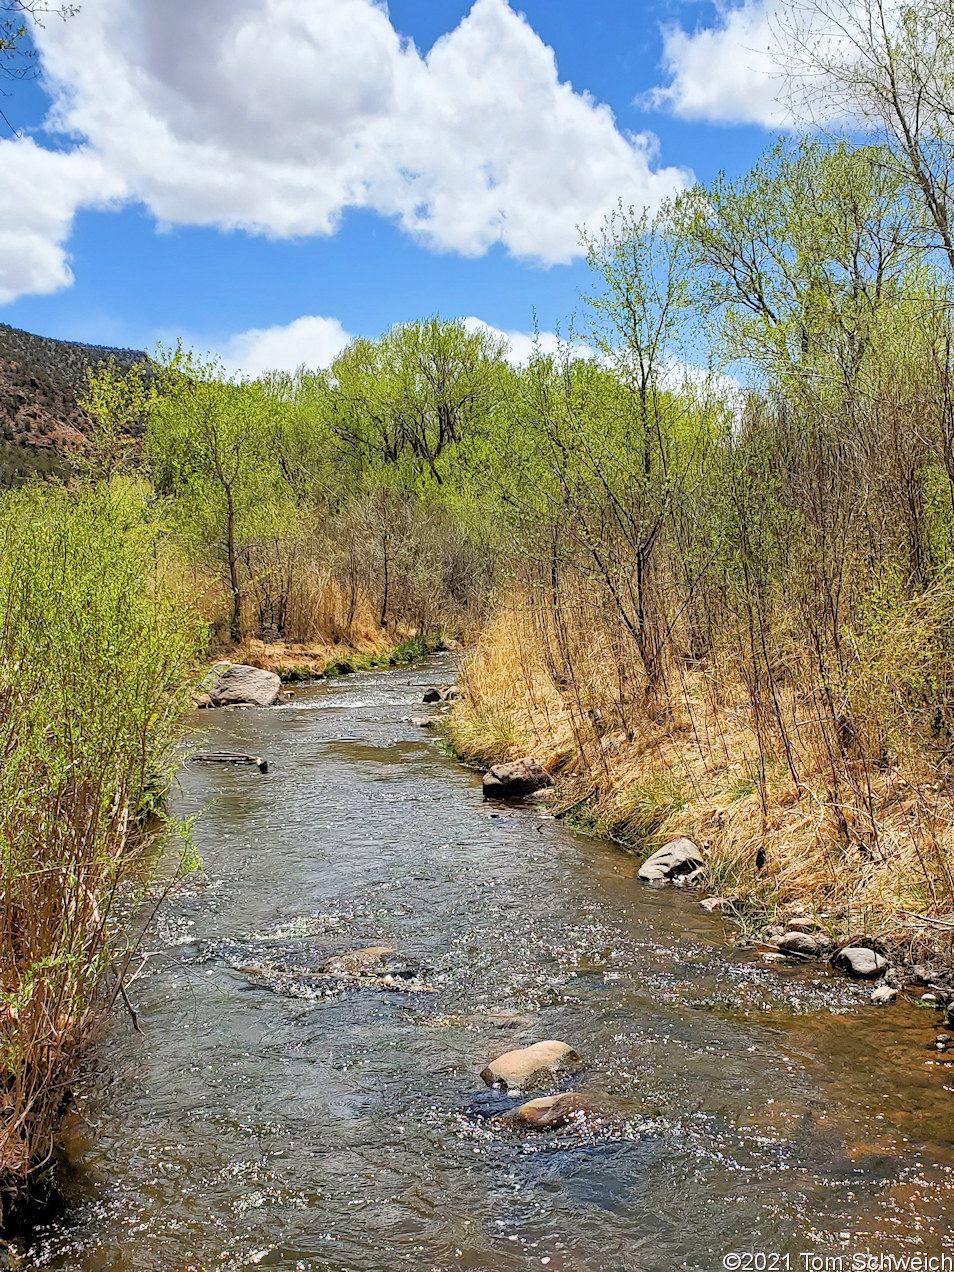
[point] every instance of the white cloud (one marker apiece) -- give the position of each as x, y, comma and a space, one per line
308, 341
728, 73
40, 191
275, 116
521, 345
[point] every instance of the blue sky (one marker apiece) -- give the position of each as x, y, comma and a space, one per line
246, 142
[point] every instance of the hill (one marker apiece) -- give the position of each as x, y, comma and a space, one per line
41, 382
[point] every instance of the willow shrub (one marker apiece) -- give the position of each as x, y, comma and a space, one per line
95, 658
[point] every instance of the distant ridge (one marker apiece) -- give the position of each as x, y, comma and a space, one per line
41, 380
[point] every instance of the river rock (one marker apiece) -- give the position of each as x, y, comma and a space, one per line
799, 924
423, 722
237, 685
526, 1065
860, 962
805, 943
431, 695
883, 995
552, 1111
520, 777
713, 904
373, 960
203, 701
678, 857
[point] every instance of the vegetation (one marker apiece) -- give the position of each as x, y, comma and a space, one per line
96, 650
704, 557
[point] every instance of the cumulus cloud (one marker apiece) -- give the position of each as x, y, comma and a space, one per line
276, 116
309, 341
520, 346
40, 192
730, 72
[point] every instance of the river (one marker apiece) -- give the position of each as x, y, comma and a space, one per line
775, 1110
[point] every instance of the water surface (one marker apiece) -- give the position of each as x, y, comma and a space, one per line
774, 1110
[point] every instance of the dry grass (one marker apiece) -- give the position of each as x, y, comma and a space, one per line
704, 767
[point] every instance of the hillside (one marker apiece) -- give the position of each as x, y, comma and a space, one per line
41, 380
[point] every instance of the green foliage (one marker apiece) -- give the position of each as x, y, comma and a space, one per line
95, 657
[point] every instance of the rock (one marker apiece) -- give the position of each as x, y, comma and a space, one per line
453, 693
552, 1111
773, 932
950, 1016
431, 695
526, 1065
805, 943
423, 722
712, 904
520, 777
373, 960
922, 975
773, 958
287, 695
239, 686
229, 757
802, 925
883, 995
678, 857
860, 962
203, 701
928, 1000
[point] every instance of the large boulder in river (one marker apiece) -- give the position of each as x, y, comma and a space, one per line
860, 962
520, 777
236, 685
678, 857
527, 1065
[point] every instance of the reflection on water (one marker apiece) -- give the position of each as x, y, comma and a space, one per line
772, 1110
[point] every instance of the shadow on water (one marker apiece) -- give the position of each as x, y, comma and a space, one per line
272, 1116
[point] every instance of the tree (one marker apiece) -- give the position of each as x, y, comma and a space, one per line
416, 393
17, 55
207, 446
888, 64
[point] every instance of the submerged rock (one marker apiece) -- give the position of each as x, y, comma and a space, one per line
860, 962
373, 960
553, 1111
423, 722
526, 1065
678, 857
236, 685
520, 777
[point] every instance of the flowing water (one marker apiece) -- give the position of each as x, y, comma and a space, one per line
775, 1113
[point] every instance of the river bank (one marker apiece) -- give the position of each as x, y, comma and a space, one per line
876, 869
250, 1126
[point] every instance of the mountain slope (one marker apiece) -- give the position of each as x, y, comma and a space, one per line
41, 381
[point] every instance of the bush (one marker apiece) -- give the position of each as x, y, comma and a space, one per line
95, 656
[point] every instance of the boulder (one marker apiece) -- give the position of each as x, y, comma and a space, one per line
520, 777
804, 943
678, 857
860, 962
526, 1065
883, 995
552, 1111
237, 685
